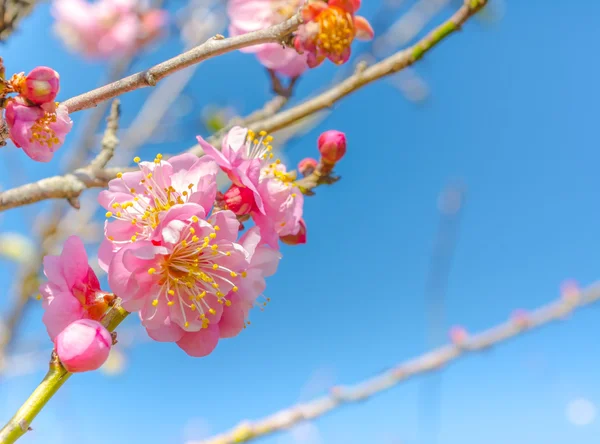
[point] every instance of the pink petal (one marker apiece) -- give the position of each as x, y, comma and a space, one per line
200, 343
364, 31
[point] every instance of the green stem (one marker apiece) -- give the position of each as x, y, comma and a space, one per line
54, 379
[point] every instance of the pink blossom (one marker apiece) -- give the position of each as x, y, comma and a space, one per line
283, 204
83, 345
184, 271
248, 161
458, 335
38, 130
329, 29
297, 238
72, 291
106, 28
253, 15
137, 200
307, 166
241, 157
40, 86
332, 146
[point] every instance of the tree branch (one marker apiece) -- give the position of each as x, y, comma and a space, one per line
215, 46
432, 361
72, 184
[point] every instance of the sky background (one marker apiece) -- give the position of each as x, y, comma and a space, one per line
512, 113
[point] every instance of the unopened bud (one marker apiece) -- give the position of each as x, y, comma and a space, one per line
83, 345
40, 86
240, 200
332, 146
298, 238
458, 335
307, 166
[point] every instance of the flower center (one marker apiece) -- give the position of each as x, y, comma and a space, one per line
336, 30
149, 200
41, 132
193, 272
258, 147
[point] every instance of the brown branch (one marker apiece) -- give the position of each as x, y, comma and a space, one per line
429, 362
72, 184
215, 46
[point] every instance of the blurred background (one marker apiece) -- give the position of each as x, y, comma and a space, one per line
470, 189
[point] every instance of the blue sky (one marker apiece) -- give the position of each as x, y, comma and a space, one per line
512, 113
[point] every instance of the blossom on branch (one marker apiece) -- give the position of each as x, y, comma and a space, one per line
83, 345
40, 86
137, 200
252, 15
72, 291
106, 28
39, 130
249, 162
329, 29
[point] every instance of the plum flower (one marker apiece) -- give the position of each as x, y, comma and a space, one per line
249, 162
106, 27
227, 319
252, 15
72, 291
329, 29
136, 200
179, 278
283, 203
38, 130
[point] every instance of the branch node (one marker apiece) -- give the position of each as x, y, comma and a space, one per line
149, 78
74, 202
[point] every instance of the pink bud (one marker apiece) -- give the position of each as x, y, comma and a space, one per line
332, 146
307, 166
458, 335
41, 85
298, 238
240, 200
83, 346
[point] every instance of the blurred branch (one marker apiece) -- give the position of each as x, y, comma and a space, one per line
73, 184
432, 361
54, 379
218, 45
11, 13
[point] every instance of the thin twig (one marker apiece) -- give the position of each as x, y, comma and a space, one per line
110, 140
432, 361
215, 46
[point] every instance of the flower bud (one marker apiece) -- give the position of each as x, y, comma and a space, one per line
240, 200
41, 85
298, 238
307, 166
458, 335
332, 146
83, 345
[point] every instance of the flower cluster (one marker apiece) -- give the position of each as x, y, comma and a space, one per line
328, 31
178, 261
261, 186
173, 251
106, 28
35, 122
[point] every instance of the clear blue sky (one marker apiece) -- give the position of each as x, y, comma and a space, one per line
513, 112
